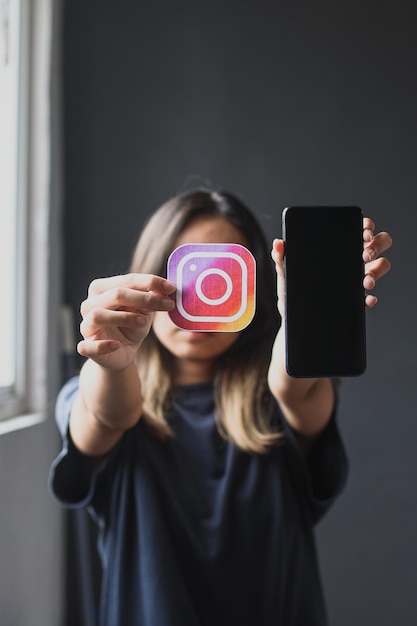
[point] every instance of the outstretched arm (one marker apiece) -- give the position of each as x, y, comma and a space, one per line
117, 316
307, 403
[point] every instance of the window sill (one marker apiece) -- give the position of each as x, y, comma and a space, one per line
20, 421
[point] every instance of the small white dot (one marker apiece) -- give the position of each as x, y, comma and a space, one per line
193, 267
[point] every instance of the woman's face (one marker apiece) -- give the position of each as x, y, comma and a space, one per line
196, 352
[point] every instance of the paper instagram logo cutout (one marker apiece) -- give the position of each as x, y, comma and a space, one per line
215, 286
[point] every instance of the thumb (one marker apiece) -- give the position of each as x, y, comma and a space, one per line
277, 253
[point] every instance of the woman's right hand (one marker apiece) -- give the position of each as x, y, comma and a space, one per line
117, 316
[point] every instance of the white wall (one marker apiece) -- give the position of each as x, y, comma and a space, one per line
31, 539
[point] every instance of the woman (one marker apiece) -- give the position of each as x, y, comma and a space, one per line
205, 465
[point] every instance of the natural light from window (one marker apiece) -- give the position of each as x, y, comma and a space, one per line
9, 86
29, 359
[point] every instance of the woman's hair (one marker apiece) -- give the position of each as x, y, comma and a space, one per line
243, 401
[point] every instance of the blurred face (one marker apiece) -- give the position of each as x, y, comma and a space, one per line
196, 352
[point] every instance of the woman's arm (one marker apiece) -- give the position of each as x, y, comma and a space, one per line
117, 316
307, 403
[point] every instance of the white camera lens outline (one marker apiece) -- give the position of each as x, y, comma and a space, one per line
210, 272
211, 255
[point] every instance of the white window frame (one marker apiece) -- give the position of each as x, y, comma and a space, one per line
37, 267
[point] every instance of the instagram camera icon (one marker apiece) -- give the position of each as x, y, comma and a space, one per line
215, 286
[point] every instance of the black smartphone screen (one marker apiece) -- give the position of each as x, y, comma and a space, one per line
324, 293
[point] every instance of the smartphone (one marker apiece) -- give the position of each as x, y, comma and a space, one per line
324, 293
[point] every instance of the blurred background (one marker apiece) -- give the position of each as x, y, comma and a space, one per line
280, 103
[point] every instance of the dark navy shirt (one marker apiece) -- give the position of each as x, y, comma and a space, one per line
194, 531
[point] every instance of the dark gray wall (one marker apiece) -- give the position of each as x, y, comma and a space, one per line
280, 103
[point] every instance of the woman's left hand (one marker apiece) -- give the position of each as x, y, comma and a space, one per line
376, 266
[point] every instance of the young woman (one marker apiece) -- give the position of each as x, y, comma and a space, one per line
205, 465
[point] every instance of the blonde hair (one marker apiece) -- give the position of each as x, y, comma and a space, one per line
243, 402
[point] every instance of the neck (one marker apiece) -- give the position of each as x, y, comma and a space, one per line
192, 372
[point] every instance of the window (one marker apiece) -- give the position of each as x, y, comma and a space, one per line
12, 248
25, 216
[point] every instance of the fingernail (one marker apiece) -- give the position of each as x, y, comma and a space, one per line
368, 235
168, 286
371, 282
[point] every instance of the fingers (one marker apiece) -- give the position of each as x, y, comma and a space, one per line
277, 253
128, 299
368, 229
376, 246
375, 270
117, 316
118, 312
133, 293
370, 301
375, 266
99, 319
95, 349
139, 282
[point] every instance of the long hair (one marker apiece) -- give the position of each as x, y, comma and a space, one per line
243, 401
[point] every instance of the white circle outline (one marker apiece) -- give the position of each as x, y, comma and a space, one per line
214, 301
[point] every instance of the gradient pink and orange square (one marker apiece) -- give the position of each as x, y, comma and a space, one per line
215, 286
